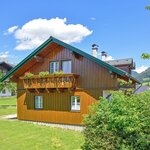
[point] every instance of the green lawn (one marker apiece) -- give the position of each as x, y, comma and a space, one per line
16, 135
146, 83
8, 100
5, 105
7, 111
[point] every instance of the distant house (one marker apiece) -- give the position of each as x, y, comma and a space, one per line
4, 68
75, 81
124, 64
142, 89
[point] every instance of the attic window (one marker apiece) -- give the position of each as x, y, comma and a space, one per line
54, 67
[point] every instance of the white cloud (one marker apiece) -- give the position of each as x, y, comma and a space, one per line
4, 56
109, 58
12, 29
141, 69
36, 31
93, 18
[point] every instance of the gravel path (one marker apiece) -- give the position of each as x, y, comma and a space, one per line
12, 116
63, 126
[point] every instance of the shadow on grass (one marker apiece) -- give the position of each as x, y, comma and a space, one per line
6, 106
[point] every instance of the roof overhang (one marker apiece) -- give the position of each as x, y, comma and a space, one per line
71, 48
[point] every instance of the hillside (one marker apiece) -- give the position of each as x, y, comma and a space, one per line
143, 77
134, 74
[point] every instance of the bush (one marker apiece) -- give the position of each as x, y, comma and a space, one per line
43, 74
122, 123
60, 72
28, 75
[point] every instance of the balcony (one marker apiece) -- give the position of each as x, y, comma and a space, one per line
50, 82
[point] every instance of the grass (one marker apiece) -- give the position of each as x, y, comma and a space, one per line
16, 135
146, 83
7, 110
5, 105
8, 100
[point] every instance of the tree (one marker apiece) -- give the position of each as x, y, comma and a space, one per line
7, 85
146, 55
120, 123
147, 7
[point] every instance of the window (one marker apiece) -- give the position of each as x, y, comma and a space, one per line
38, 102
75, 103
54, 67
4, 91
66, 66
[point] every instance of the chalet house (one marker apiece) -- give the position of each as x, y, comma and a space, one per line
4, 68
124, 64
75, 81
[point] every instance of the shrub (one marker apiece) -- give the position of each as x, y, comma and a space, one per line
123, 82
60, 72
122, 123
43, 74
28, 75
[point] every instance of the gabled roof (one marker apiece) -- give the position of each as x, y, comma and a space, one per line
126, 61
120, 62
6, 65
69, 47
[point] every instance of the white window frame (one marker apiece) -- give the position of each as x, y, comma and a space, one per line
38, 102
74, 105
55, 67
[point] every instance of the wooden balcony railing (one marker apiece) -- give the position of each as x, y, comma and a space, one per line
51, 81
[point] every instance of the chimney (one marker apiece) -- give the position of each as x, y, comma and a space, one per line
103, 56
95, 50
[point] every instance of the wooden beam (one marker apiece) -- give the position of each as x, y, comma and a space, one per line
39, 59
78, 56
47, 90
57, 90
13, 78
37, 90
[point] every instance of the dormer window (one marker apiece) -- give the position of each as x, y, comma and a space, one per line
54, 67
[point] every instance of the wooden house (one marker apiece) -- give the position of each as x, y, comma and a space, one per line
75, 81
124, 64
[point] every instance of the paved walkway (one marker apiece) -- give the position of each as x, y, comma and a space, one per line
12, 116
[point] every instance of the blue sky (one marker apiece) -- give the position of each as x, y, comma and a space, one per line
119, 27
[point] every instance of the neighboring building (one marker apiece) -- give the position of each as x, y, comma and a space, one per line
4, 68
123, 64
142, 89
62, 98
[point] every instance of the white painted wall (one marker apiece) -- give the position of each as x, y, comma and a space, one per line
7, 93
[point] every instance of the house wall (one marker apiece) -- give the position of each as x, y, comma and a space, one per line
56, 107
125, 68
93, 77
91, 83
5, 94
